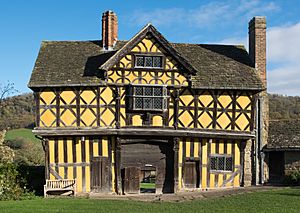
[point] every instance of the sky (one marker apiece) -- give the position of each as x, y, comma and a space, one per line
24, 24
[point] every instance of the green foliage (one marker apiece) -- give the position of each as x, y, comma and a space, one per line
27, 152
12, 186
21, 133
17, 112
293, 178
284, 107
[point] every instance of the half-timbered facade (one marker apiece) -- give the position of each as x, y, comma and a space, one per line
110, 112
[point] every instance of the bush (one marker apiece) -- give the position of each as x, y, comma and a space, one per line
293, 178
12, 186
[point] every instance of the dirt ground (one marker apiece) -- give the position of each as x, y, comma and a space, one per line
182, 196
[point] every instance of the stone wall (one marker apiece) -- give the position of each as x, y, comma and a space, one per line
292, 161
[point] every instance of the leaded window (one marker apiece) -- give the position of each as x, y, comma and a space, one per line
144, 97
221, 163
148, 61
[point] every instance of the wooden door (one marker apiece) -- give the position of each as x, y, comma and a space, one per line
99, 174
191, 174
131, 180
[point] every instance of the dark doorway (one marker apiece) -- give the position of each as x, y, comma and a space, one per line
276, 167
156, 154
131, 179
191, 174
99, 174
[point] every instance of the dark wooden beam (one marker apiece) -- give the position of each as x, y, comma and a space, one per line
176, 107
147, 131
118, 166
176, 162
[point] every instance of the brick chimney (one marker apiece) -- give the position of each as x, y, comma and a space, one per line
257, 45
109, 30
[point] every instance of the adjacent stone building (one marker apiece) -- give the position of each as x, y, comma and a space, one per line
283, 149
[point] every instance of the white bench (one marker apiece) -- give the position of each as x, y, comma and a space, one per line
64, 185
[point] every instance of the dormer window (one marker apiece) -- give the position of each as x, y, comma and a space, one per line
147, 61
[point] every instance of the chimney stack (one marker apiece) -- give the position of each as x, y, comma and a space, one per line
109, 30
257, 45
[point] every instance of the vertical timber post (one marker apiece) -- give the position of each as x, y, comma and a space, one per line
118, 166
176, 108
176, 166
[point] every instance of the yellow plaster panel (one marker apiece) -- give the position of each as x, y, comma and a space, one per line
136, 120
47, 118
206, 99
68, 118
244, 101
170, 64
107, 117
213, 147
96, 149
187, 98
220, 180
221, 147
212, 181
204, 161
185, 118
188, 148
106, 95
224, 101
242, 122
223, 120
61, 157
88, 97
205, 120
78, 168
105, 146
125, 62
236, 181
48, 97
87, 168
122, 120
157, 121
70, 157
68, 96
196, 147
88, 117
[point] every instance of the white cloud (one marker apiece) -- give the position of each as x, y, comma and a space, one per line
213, 13
283, 56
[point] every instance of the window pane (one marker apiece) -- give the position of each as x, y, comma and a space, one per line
221, 163
138, 103
139, 61
157, 103
147, 103
138, 91
213, 163
157, 91
148, 91
228, 166
148, 61
157, 61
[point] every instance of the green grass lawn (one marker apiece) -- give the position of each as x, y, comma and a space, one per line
21, 133
147, 185
282, 200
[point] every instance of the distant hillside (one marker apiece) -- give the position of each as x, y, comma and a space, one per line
18, 111
284, 107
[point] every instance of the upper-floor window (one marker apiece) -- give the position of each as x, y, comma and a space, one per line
221, 163
148, 61
147, 97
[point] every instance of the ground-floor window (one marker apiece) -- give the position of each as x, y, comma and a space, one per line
221, 163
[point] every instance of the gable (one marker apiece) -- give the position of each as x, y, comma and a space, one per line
125, 70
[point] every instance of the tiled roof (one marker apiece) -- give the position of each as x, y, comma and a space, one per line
284, 134
74, 63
